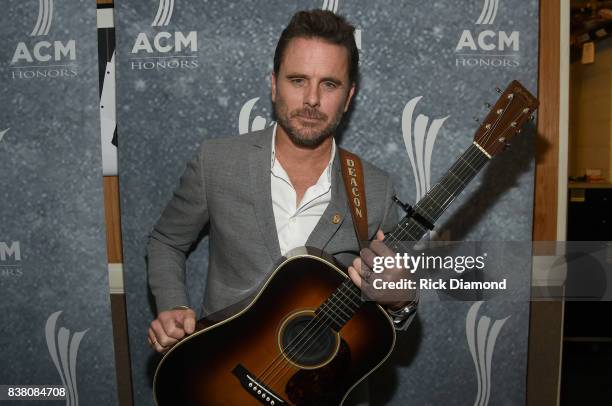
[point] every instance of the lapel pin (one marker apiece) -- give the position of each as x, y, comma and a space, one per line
336, 219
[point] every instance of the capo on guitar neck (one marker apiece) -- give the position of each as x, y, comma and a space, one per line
410, 212
405, 206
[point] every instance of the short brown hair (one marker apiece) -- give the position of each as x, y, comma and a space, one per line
321, 24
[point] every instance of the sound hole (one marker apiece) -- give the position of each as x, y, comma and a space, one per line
309, 345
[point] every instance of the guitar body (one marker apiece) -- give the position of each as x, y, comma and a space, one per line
239, 361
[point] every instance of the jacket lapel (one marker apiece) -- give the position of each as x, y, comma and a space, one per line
259, 165
336, 211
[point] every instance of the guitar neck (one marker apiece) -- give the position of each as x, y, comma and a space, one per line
438, 199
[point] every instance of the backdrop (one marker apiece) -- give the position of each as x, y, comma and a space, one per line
54, 295
191, 70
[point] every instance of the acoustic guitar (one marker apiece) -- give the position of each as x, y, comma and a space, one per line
308, 337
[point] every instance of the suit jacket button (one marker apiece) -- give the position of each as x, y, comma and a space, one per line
336, 219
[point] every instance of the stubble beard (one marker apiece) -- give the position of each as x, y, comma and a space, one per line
305, 136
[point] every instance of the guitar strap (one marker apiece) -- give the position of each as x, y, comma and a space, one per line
352, 175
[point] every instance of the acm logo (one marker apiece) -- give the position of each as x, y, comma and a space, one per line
164, 49
482, 333
2, 133
10, 253
10, 258
419, 134
31, 56
332, 5
64, 357
488, 47
245, 123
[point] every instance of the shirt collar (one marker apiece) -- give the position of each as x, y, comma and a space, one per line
331, 158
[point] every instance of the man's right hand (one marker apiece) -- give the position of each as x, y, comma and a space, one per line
169, 327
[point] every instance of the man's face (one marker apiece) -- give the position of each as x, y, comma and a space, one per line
312, 90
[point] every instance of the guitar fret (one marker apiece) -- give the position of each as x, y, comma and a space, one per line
421, 228
426, 200
468, 164
445, 189
335, 302
456, 177
330, 302
340, 290
332, 316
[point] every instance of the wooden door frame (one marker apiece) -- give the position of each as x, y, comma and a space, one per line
550, 196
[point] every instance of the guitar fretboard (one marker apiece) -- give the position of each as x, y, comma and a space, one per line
436, 201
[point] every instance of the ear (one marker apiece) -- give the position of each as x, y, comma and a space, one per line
273, 87
349, 97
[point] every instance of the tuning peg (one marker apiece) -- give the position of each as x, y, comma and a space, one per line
506, 145
487, 105
476, 119
498, 90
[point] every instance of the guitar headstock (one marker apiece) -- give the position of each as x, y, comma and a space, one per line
511, 111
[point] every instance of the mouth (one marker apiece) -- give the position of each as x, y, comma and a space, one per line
309, 115
310, 118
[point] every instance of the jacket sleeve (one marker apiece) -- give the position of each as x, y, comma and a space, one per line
390, 216
174, 234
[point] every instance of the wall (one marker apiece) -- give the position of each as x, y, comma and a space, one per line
591, 113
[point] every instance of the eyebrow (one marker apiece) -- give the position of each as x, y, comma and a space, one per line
334, 80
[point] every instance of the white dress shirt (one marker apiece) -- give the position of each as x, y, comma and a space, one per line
294, 223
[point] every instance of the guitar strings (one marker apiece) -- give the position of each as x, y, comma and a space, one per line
317, 333
404, 231
303, 335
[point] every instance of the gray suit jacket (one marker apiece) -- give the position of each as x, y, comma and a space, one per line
227, 186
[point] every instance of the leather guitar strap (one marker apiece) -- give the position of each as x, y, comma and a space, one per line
352, 175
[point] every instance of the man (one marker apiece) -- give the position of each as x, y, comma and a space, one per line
266, 193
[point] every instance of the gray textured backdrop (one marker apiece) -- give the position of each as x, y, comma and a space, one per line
408, 49
52, 203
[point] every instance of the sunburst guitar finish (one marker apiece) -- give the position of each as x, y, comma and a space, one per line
277, 351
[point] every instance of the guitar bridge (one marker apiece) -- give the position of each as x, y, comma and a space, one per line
259, 391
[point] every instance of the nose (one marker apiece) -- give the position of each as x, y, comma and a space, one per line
312, 98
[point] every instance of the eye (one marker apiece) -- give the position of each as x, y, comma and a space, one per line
329, 85
298, 82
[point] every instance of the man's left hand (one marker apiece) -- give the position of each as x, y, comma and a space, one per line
362, 275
